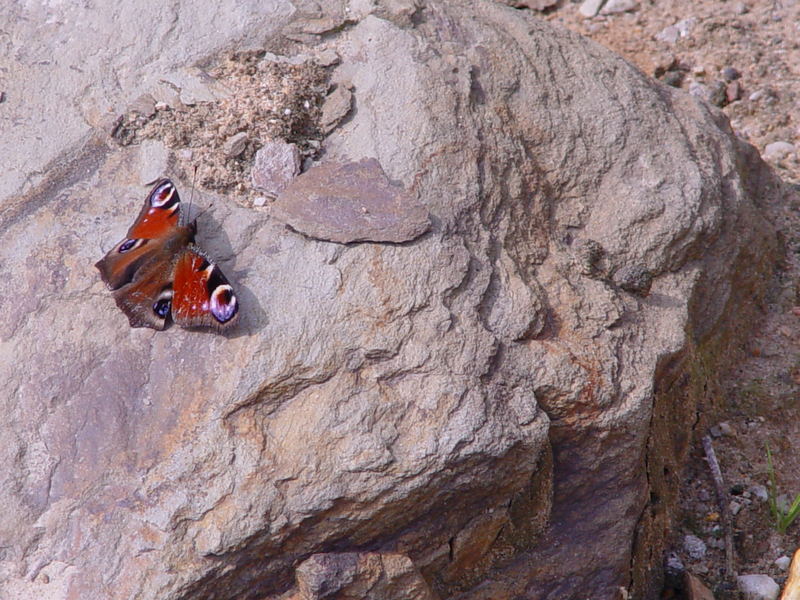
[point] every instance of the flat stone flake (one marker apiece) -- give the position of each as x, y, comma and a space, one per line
351, 202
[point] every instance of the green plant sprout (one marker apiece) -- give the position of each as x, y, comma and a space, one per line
782, 516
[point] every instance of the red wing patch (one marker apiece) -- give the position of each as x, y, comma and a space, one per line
201, 294
160, 213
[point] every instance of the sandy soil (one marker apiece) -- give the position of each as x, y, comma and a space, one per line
745, 58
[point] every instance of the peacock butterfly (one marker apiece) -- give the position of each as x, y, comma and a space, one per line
157, 270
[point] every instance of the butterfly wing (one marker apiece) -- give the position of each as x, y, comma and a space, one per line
139, 269
202, 296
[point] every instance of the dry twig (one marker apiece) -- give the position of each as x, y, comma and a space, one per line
722, 499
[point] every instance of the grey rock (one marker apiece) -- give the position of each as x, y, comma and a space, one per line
337, 106
532, 4
735, 507
778, 150
635, 279
375, 395
674, 571
590, 8
669, 35
673, 33
195, 86
327, 58
673, 78
730, 74
612, 7
153, 161
694, 547
351, 202
145, 105
276, 164
718, 93
726, 429
84, 95
783, 562
733, 91
355, 575
235, 144
758, 587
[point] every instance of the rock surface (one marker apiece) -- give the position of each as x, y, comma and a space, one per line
276, 165
457, 416
351, 202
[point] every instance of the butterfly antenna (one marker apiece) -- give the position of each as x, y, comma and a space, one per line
191, 194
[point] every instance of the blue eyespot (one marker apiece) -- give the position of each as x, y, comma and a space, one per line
161, 307
128, 245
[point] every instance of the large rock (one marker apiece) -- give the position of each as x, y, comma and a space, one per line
487, 411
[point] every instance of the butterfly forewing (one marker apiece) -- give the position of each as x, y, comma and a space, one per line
160, 213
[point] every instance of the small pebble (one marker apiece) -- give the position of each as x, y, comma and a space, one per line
674, 571
734, 507
778, 150
718, 95
673, 78
740, 8
758, 587
757, 95
783, 562
2, 97
259, 201
235, 145
717, 544
618, 6
590, 8
668, 35
715, 431
694, 547
730, 74
733, 91
635, 279
726, 429
328, 58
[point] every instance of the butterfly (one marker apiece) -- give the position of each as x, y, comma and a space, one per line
157, 271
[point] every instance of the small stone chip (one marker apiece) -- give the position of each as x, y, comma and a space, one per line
235, 145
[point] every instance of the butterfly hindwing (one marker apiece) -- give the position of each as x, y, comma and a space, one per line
202, 296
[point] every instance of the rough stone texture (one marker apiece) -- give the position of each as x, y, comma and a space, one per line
337, 106
276, 164
590, 8
758, 587
351, 202
355, 576
105, 59
532, 4
476, 406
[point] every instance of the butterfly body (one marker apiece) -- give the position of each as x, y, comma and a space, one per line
158, 271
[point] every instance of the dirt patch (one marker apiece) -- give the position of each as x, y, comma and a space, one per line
256, 98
